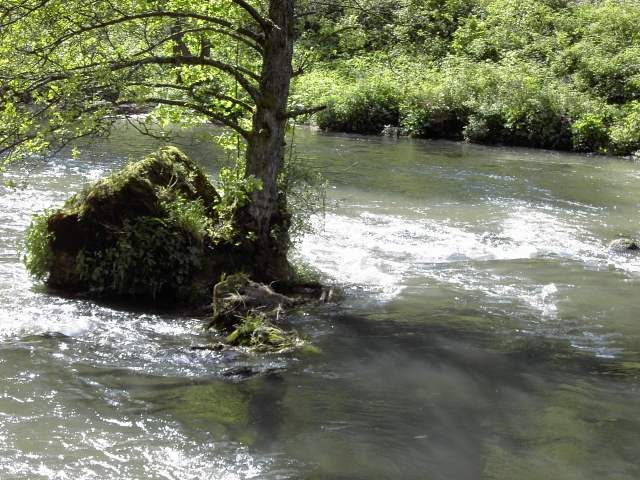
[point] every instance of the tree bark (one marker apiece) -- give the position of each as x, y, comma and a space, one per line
266, 216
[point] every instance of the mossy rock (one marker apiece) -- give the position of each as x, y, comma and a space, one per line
236, 295
259, 333
622, 245
146, 232
251, 314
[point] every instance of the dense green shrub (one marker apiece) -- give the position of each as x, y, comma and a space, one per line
426, 26
498, 28
433, 108
604, 55
625, 132
590, 132
365, 108
36, 248
149, 257
520, 104
541, 73
340, 31
511, 102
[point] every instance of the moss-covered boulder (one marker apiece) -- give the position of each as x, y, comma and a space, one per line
146, 232
236, 296
251, 315
258, 332
624, 245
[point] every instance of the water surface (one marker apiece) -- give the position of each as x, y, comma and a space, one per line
487, 332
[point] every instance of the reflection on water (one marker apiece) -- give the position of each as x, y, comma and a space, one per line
487, 333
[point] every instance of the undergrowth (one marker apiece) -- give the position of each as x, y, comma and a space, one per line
540, 73
256, 331
150, 255
36, 247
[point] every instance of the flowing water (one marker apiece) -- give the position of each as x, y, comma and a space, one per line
487, 332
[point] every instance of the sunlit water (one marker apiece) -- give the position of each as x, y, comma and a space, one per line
487, 332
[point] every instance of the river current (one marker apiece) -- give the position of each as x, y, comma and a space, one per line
487, 331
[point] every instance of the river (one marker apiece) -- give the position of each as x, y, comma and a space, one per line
487, 332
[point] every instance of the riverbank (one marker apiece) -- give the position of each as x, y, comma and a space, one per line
486, 103
554, 75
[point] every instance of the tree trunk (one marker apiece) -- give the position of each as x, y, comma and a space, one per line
266, 215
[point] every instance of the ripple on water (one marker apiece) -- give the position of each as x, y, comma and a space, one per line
83, 381
503, 259
139, 448
382, 250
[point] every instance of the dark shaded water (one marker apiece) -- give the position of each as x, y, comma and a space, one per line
487, 333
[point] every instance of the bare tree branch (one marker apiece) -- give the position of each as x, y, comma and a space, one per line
262, 21
156, 14
304, 111
227, 121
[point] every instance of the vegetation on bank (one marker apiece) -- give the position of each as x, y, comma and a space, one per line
555, 74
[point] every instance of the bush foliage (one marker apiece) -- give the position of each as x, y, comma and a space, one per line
541, 73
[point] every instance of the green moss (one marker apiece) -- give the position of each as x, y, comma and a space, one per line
151, 255
188, 215
144, 181
236, 296
304, 272
257, 332
250, 312
38, 256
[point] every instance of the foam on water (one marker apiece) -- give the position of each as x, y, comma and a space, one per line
141, 448
383, 251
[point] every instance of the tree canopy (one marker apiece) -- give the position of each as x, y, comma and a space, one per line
68, 68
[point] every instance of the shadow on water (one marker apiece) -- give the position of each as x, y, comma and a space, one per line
397, 399
391, 400
247, 412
